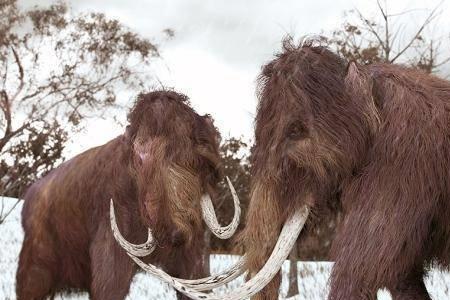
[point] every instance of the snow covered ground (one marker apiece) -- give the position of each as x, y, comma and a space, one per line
313, 276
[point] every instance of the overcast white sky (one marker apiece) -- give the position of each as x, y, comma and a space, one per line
220, 45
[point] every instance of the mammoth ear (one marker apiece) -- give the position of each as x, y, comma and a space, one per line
358, 83
208, 140
356, 79
211, 128
360, 87
127, 134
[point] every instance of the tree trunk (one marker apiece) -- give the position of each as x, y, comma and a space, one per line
293, 273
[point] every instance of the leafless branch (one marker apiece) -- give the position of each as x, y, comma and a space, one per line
427, 21
443, 62
406, 12
5, 106
384, 14
397, 32
387, 42
372, 29
21, 74
5, 76
4, 216
8, 136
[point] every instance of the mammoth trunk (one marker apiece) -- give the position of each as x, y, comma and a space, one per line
184, 192
267, 215
171, 206
264, 221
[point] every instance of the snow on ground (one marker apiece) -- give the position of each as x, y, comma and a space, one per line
313, 276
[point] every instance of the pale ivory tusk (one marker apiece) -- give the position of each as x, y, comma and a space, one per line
210, 217
215, 281
201, 284
138, 250
286, 240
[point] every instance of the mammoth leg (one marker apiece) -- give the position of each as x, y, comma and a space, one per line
382, 237
34, 280
112, 270
410, 288
368, 259
348, 277
188, 263
189, 267
33, 283
345, 287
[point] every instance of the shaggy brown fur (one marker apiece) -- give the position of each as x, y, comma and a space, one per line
374, 137
155, 173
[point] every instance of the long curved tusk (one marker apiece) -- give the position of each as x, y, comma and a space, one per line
139, 250
145, 249
286, 240
210, 217
215, 281
201, 284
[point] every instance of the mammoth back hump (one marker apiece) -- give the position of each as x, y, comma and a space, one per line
76, 189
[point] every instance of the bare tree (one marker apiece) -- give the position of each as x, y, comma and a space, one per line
384, 39
56, 69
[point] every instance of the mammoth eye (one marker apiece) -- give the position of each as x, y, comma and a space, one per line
297, 131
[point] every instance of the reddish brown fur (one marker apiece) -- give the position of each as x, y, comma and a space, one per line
155, 173
375, 137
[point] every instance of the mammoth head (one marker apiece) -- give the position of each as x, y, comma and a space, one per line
175, 163
313, 124
175, 159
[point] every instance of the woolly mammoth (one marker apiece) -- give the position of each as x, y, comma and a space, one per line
154, 180
373, 138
